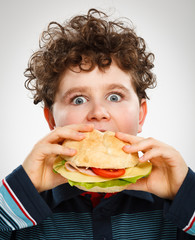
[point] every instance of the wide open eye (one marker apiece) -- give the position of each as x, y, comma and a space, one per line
79, 100
114, 97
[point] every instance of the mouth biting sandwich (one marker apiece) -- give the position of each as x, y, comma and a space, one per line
100, 164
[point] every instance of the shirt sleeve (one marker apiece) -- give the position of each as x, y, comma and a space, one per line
181, 211
21, 205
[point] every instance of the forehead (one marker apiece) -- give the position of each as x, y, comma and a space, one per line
95, 78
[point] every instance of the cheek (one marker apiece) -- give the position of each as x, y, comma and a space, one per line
65, 117
129, 120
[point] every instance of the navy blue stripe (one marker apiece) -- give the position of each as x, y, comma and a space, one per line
60, 226
4, 226
146, 225
5, 235
21, 185
9, 219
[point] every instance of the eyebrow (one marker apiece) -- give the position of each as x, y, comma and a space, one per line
73, 90
118, 86
84, 89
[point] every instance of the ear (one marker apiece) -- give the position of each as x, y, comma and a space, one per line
142, 114
49, 117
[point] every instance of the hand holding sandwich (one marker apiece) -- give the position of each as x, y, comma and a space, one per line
38, 164
168, 167
100, 164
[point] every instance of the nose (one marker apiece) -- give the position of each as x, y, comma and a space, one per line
98, 112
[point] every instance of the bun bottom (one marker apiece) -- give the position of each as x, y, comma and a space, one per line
103, 190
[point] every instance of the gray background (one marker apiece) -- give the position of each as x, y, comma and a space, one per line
168, 26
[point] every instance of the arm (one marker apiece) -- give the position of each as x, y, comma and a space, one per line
168, 167
181, 210
39, 163
20, 204
170, 178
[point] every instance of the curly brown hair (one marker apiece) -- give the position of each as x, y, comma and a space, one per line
91, 39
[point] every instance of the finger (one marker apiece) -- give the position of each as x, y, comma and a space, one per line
151, 155
73, 132
160, 155
140, 185
132, 139
60, 134
53, 149
59, 179
143, 145
82, 127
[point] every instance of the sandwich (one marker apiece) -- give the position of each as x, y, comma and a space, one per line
100, 164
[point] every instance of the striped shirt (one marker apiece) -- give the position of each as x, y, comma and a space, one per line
66, 213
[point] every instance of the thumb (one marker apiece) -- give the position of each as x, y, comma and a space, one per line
59, 180
140, 185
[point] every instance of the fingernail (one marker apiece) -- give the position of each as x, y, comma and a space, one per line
141, 158
81, 135
127, 146
72, 150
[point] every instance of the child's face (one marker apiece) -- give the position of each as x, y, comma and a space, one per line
106, 99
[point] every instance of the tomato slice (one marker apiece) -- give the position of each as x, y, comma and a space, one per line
109, 173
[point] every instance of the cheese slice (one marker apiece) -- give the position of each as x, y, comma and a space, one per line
142, 169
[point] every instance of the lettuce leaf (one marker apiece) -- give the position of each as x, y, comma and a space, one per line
105, 184
110, 183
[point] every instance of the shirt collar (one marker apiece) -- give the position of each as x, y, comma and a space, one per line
59, 194
140, 194
65, 192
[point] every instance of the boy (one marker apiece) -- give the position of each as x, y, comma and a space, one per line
91, 73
